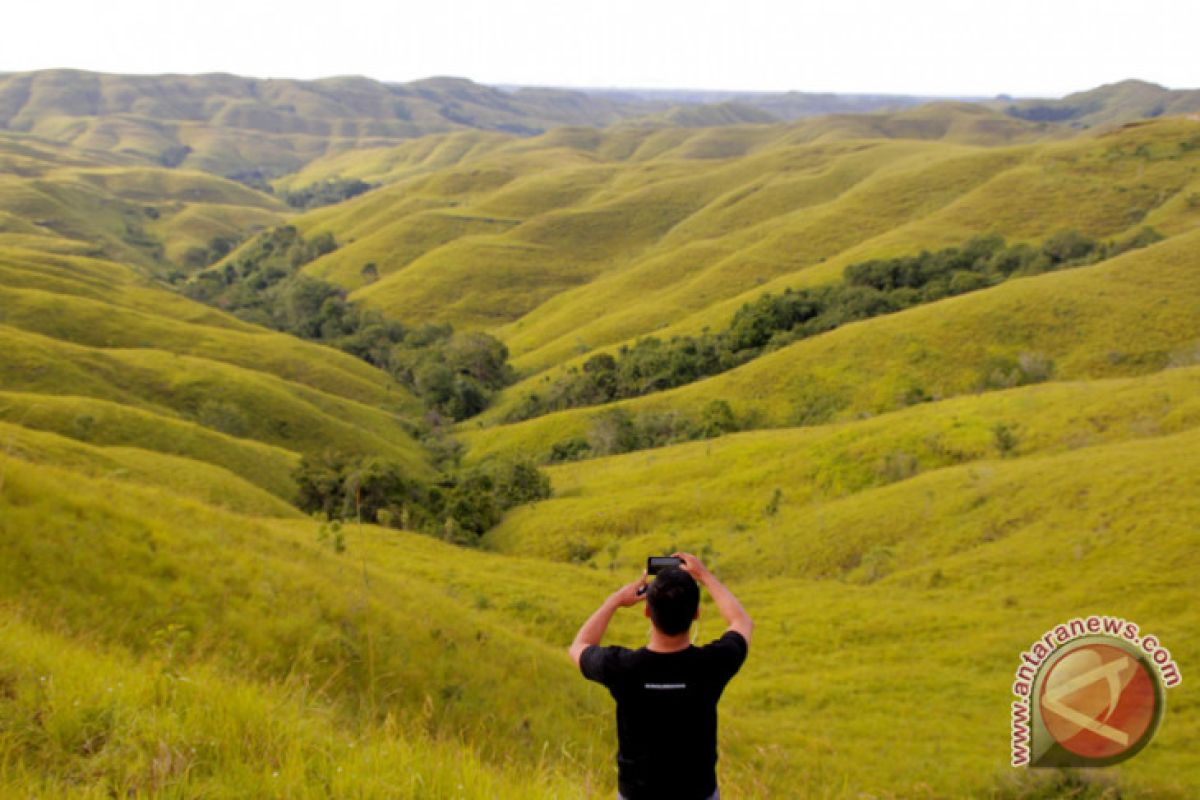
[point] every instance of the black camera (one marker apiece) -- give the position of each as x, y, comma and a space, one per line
656, 564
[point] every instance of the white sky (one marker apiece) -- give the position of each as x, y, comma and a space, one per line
933, 47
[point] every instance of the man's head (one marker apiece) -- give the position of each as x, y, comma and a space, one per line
672, 601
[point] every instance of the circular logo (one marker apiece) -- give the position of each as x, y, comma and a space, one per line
1099, 701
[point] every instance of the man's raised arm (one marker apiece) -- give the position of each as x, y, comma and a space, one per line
731, 610
593, 630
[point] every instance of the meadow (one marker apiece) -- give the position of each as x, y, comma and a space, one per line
903, 503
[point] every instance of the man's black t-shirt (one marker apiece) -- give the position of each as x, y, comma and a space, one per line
666, 714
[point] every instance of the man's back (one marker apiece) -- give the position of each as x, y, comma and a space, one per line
666, 713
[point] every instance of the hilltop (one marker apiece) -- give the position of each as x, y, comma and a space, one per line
1125, 101
255, 129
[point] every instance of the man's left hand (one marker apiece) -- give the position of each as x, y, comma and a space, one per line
630, 594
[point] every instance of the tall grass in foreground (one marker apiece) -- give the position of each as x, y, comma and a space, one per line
78, 723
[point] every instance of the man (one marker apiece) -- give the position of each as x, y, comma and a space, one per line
667, 692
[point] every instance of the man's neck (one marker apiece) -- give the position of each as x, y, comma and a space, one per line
661, 643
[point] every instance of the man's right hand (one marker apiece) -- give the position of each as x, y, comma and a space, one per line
692, 566
731, 610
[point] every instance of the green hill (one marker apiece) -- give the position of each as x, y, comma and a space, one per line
1132, 315
1126, 101
903, 501
111, 206
520, 239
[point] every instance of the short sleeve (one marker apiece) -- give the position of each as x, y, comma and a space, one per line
601, 664
728, 653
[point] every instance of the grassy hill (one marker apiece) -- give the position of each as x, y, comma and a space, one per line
1125, 101
256, 128
519, 238
100, 354
112, 206
909, 501
502, 236
1132, 315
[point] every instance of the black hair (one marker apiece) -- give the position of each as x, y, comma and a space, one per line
673, 598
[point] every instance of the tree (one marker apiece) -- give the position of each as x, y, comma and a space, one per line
613, 432
1066, 246
483, 357
521, 482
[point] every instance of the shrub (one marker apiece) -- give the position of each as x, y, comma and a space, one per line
717, 419
461, 507
572, 449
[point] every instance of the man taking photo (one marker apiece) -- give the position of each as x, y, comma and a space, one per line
667, 692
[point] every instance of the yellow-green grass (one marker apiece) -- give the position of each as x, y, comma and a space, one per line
891, 620
625, 232
720, 489
390, 164
251, 404
397, 244
811, 221
124, 210
590, 220
366, 633
638, 141
80, 721
184, 476
840, 670
39, 263
108, 424
1133, 314
103, 325
27, 155
1024, 194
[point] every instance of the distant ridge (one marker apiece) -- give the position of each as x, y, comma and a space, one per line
1125, 101
256, 130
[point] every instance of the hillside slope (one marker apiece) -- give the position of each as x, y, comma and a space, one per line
54, 196
98, 353
578, 241
1134, 314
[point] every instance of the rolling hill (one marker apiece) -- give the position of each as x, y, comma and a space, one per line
249, 127
1126, 101
903, 502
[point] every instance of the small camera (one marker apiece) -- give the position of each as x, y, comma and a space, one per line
656, 564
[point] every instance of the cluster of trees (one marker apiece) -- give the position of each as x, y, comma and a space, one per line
459, 508
617, 431
456, 374
868, 289
325, 193
218, 247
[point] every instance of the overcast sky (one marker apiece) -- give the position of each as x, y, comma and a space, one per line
931, 47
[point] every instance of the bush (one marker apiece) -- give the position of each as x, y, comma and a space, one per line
521, 482
717, 419
327, 192
460, 508
572, 449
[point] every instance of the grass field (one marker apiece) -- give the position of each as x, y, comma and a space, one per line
900, 522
